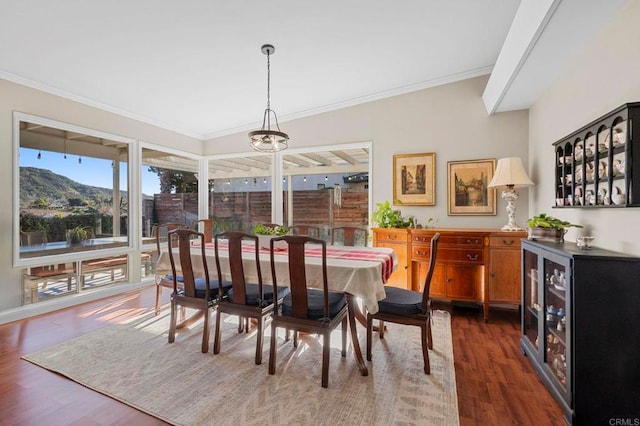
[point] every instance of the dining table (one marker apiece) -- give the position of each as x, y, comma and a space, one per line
359, 272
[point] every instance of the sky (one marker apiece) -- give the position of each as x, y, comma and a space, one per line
92, 171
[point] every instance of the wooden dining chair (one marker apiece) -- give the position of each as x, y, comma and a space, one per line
210, 227
408, 307
197, 293
245, 299
32, 238
311, 231
305, 309
161, 232
350, 235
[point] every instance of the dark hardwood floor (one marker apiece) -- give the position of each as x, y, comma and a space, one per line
496, 383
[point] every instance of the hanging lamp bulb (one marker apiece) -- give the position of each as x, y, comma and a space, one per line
266, 139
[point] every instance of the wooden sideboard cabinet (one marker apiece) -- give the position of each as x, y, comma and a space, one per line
396, 239
476, 265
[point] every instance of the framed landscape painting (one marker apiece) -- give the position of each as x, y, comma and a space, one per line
414, 179
467, 191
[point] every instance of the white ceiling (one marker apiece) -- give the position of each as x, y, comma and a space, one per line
195, 66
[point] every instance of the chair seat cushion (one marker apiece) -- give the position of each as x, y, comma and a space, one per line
213, 287
252, 297
169, 277
400, 301
315, 310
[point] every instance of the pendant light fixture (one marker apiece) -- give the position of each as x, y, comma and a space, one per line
265, 139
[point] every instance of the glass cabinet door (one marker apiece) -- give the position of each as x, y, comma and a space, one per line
556, 286
532, 303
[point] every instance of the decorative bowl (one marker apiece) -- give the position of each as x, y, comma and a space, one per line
584, 242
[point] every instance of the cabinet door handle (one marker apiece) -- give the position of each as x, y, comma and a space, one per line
472, 257
421, 253
474, 242
391, 237
508, 243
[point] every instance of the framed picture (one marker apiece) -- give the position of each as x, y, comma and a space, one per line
467, 191
414, 179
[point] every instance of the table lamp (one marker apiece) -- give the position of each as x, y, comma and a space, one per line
510, 174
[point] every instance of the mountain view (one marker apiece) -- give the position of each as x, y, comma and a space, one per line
58, 191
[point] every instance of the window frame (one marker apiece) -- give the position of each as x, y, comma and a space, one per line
132, 177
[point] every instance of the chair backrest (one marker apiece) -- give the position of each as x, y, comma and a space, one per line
350, 235
432, 264
32, 238
297, 274
236, 264
311, 231
161, 232
182, 238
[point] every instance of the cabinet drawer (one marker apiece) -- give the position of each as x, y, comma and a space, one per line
505, 241
462, 240
391, 236
466, 241
444, 254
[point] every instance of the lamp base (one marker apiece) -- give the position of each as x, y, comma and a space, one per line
512, 228
510, 195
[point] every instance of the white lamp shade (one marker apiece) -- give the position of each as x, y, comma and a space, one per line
510, 172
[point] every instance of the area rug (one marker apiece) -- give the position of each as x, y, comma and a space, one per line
134, 364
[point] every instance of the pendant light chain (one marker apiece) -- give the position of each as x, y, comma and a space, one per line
268, 89
268, 81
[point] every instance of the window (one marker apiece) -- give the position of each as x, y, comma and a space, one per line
72, 194
240, 191
169, 190
327, 188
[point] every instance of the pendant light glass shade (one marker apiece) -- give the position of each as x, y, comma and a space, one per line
267, 139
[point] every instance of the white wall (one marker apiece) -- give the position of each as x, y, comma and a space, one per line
604, 76
450, 120
14, 97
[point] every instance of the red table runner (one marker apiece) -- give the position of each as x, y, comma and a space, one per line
352, 253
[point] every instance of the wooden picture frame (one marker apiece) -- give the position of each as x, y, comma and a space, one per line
467, 191
414, 179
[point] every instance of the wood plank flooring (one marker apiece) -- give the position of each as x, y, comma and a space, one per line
496, 383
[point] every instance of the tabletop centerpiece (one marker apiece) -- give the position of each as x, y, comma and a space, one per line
266, 233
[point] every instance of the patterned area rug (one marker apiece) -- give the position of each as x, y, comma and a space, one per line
134, 364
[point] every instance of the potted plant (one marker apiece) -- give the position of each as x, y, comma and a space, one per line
76, 235
545, 227
386, 217
266, 233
